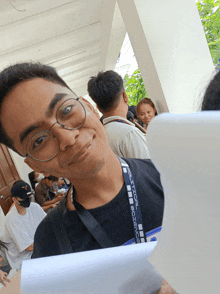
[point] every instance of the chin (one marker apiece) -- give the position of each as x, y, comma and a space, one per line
91, 170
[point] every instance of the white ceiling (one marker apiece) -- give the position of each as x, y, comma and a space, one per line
78, 37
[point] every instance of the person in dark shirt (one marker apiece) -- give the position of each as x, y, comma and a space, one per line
211, 99
59, 134
45, 195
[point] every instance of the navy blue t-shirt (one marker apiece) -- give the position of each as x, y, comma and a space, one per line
114, 217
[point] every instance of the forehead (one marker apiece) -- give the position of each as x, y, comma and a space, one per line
145, 107
26, 104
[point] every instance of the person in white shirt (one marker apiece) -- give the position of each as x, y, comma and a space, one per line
125, 140
21, 223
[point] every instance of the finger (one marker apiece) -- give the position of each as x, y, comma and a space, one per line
7, 279
3, 282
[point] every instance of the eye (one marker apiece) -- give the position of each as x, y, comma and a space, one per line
39, 141
67, 110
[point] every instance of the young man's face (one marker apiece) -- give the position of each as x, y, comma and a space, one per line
82, 152
49, 183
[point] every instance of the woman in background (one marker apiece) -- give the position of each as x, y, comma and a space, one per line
146, 110
35, 178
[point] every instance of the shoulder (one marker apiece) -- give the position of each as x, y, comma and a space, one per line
35, 207
11, 215
36, 210
147, 179
138, 163
39, 187
136, 134
44, 231
117, 129
45, 226
45, 242
142, 166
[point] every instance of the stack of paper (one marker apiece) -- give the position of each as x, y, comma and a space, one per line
118, 270
186, 151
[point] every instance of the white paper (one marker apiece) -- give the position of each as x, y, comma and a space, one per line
186, 151
118, 270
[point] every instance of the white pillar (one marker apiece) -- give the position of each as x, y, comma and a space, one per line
171, 50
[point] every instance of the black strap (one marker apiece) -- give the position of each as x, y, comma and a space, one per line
59, 231
93, 226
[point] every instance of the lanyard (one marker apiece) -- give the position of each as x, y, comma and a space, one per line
122, 121
94, 227
118, 120
140, 236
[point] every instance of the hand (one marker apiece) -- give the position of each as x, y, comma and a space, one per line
166, 289
3, 278
59, 194
59, 197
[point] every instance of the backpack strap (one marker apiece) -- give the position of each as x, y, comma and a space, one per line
60, 231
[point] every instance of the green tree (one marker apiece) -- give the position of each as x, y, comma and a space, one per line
209, 11
134, 87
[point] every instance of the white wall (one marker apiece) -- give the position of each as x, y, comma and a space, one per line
22, 168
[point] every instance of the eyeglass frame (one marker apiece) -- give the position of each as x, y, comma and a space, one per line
62, 126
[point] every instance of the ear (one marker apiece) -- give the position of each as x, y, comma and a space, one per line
14, 199
125, 97
33, 166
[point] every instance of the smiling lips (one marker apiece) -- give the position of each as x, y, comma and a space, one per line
81, 154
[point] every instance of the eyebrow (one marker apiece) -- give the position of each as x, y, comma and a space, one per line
28, 130
57, 97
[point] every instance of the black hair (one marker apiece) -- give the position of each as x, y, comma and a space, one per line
32, 180
106, 89
20, 72
52, 178
211, 100
4, 245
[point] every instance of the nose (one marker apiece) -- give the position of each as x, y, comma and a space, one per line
66, 138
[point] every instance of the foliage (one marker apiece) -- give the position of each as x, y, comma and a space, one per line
209, 11
134, 87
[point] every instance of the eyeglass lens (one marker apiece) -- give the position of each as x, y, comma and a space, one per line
44, 145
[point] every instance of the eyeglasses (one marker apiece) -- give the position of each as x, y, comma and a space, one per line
44, 146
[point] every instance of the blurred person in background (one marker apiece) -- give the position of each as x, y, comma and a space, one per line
21, 223
35, 178
4, 278
146, 110
211, 100
107, 91
4, 265
45, 195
